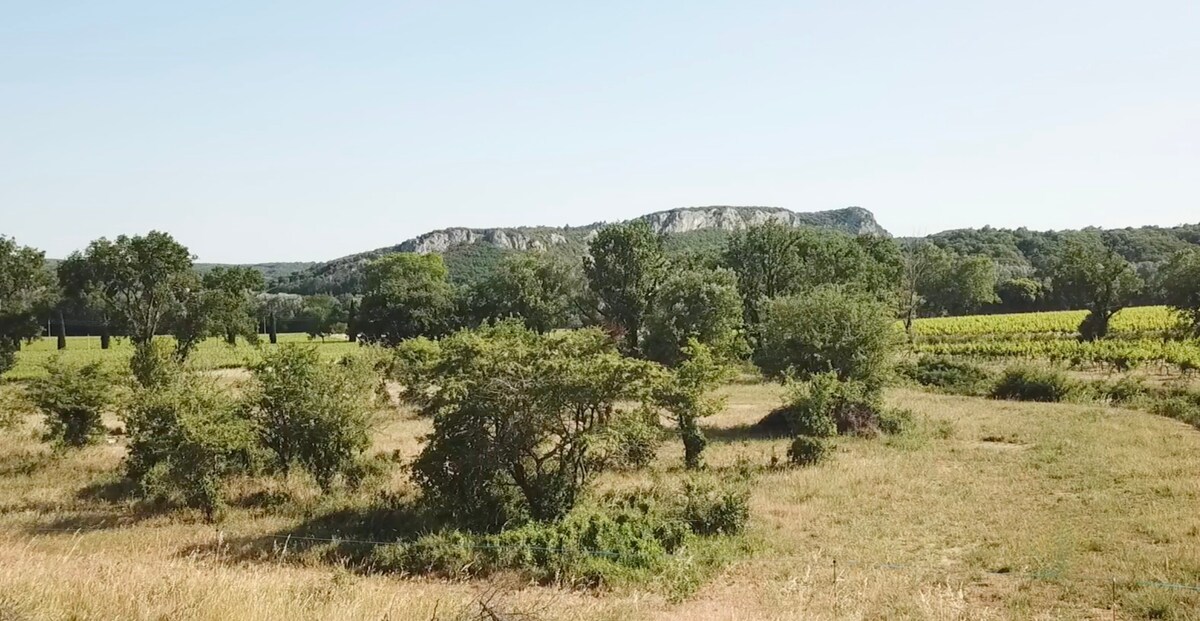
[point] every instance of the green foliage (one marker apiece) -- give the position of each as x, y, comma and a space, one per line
624, 269
828, 329
1088, 274
1126, 390
1180, 284
230, 294
414, 366
543, 292
406, 295
138, 280
825, 405
516, 421
1031, 383
807, 451
894, 422
72, 398
695, 304
153, 365
1180, 405
685, 394
310, 413
632, 438
711, 509
25, 292
774, 259
186, 438
320, 315
948, 374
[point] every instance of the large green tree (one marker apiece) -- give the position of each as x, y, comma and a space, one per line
624, 267
1088, 274
1180, 284
138, 279
543, 292
700, 305
276, 307
934, 281
26, 291
231, 293
407, 295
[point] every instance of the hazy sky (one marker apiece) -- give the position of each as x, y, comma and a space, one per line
293, 130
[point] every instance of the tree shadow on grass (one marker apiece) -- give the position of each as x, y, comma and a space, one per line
344, 537
741, 433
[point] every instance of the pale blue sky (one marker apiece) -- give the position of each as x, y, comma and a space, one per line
261, 131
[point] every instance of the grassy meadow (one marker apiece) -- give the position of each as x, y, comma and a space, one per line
985, 510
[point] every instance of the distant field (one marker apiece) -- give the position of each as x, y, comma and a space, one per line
211, 354
1138, 338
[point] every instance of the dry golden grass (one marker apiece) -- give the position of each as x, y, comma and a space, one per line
991, 510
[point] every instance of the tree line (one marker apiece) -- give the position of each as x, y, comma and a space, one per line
651, 300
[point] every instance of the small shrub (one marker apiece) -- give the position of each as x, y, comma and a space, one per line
945, 373
825, 406
310, 413
807, 451
1126, 390
1028, 383
1180, 406
72, 398
413, 366
715, 510
153, 364
185, 439
895, 422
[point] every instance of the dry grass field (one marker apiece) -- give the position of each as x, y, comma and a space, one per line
989, 510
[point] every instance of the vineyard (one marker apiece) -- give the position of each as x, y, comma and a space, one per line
1139, 337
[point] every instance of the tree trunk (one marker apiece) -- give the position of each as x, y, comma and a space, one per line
62, 331
105, 337
351, 321
274, 334
231, 337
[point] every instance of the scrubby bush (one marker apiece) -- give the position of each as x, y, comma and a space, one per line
310, 413
948, 374
1030, 383
895, 422
8, 355
807, 451
154, 364
711, 509
1126, 390
1180, 405
825, 406
695, 306
830, 330
186, 437
517, 423
633, 438
72, 397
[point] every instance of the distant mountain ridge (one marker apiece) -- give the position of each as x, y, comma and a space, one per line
469, 252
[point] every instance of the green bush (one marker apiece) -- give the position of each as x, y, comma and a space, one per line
825, 406
310, 413
807, 451
1180, 405
631, 439
829, 330
153, 364
895, 422
1029, 383
948, 374
72, 398
185, 439
710, 509
1126, 390
8, 355
518, 422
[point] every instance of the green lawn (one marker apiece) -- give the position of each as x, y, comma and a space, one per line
211, 354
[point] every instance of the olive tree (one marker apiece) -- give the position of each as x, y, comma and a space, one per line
518, 419
686, 394
231, 293
1088, 274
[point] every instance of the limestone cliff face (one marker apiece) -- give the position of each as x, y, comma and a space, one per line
853, 220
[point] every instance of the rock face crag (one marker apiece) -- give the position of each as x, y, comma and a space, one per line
852, 220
